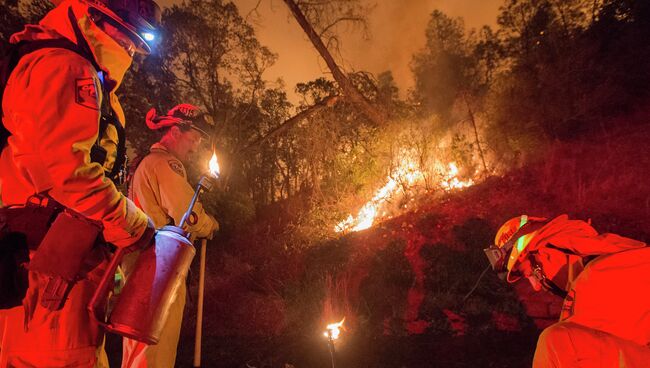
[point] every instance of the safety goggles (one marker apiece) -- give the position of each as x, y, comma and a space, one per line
498, 256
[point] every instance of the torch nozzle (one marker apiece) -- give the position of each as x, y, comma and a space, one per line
205, 184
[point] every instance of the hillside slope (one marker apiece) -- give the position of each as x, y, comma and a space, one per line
402, 284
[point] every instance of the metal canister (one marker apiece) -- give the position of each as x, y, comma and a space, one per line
142, 307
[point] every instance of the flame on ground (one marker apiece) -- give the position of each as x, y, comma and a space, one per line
214, 165
407, 174
333, 330
451, 180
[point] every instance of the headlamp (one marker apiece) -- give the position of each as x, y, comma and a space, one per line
148, 36
498, 257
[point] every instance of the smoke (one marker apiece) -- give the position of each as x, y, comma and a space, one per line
398, 31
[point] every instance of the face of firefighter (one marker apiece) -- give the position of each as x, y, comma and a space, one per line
549, 263
116, 34
526, 269
184, 143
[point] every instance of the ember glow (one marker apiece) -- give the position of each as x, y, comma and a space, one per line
406, 174
214, 165
333, 330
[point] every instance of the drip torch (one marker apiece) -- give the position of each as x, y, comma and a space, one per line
332, 333
141, 309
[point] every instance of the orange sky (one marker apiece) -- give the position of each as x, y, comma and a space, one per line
396, 32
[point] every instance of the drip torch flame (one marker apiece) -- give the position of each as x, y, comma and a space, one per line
214, 165
333, 330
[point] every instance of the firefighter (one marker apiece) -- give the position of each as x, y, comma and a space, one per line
65, 124
159, 186
603, 278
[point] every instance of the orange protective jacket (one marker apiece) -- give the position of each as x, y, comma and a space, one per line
51, 107
161, 189
610, 296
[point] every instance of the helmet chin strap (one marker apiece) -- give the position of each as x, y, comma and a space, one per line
547, 284
551, 287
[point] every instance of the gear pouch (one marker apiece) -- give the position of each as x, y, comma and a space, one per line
60, 257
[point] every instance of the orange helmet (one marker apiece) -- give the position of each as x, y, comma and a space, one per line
511, 242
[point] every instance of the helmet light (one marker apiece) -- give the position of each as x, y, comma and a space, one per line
148, 36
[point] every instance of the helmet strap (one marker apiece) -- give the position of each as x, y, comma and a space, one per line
81, 40
547, 284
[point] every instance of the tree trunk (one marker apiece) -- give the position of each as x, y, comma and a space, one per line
377, 116
478, 144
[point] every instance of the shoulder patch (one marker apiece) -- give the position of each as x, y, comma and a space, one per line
86, 93
177, 167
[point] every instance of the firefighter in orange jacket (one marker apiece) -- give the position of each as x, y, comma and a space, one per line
53, 104
159, 186
603, 278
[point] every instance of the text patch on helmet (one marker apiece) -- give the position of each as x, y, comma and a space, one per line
177, 167
86, 93
506, 236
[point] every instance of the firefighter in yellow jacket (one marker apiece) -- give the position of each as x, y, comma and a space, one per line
159, 186
56, 99
603, 278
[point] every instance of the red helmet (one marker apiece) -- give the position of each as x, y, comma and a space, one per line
182, 114
140, 19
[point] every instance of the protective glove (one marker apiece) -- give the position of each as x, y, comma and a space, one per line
146, 239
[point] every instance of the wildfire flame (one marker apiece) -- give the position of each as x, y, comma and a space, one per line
451, 180
333, 330
214, 165
408, 174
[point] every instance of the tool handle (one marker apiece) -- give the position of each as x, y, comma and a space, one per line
199, 313
94, 306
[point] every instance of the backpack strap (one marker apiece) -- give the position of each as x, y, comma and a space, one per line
98, 153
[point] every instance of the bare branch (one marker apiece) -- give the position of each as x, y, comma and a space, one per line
253, 12
337, 21
289, 123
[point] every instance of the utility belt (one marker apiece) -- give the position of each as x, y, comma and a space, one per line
60, 242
